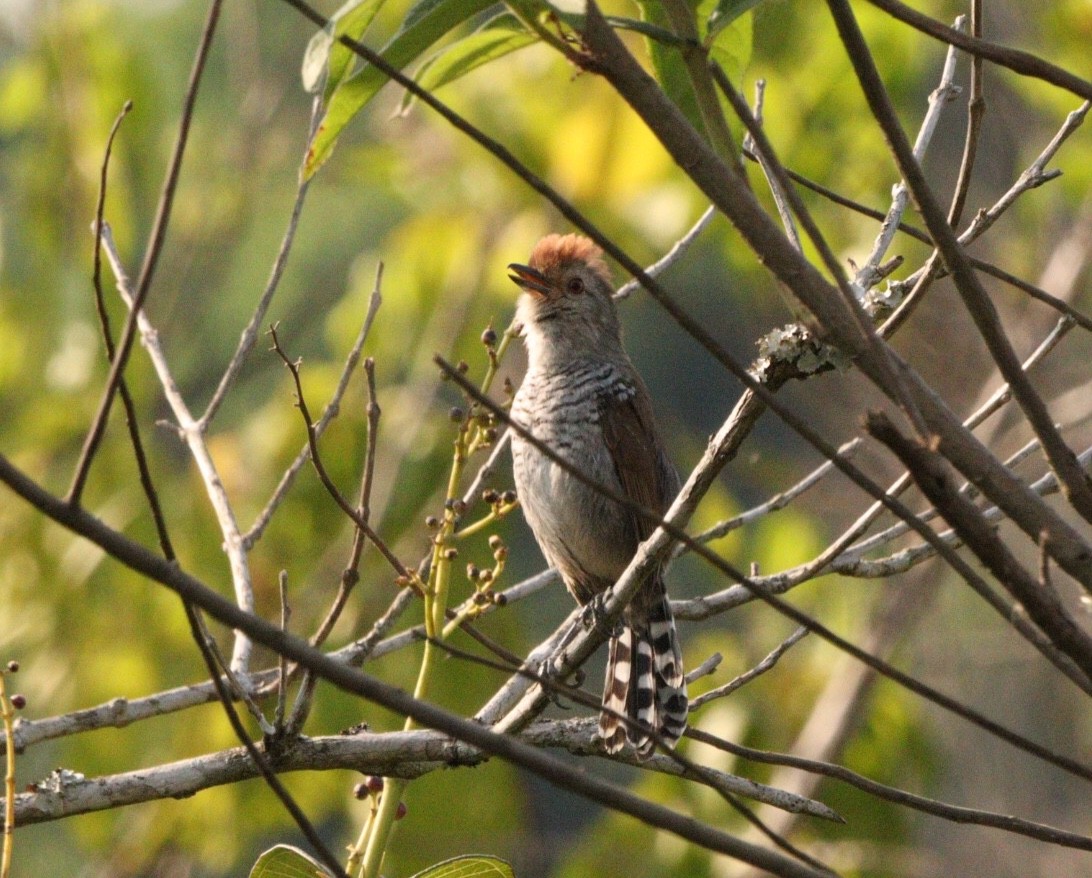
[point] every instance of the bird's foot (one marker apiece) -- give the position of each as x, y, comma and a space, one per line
594, 617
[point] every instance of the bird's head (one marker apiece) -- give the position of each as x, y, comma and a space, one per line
566, 299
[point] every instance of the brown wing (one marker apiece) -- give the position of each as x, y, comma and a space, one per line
644, 472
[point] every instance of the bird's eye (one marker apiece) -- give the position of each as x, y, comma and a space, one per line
575, 285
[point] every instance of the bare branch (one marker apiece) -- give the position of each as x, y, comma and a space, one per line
250, 333
195, 441
557, 772
331, 411
1014, 59
944, 93
151, 259
1042, 605
757, 671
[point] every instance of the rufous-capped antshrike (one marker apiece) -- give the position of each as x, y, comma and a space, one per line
583, 399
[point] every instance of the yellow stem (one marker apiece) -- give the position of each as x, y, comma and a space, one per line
9, 780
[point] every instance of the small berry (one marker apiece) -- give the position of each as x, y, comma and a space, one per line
500, 598
456, 414
374, 783
508, 498
473, 573
13, 666
432, 522
401, 812
18, 701
458, 507
450, 554
495, 542
485, 576
490, 496
489, 337
360, 791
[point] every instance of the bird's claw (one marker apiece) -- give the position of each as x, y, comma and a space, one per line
594, 617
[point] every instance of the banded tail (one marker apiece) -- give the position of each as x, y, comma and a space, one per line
645, 682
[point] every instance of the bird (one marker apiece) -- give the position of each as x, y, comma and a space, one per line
582, 398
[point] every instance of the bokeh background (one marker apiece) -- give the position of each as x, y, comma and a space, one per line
445, 218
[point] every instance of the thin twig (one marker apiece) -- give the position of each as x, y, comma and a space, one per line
1043, 606
282, 662
945, 92
954, 813
976, 108
259, 758
677, 251
891, 376
772, 179
198, 448
250, 332
333, 407
350, 576
918, 235
131, 419
1014, 59
1032, 177
409, 578
151, 260
757, 671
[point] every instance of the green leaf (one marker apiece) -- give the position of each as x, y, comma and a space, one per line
427, 22
668, 65
469, 866
497, 37
731, 47
284, 861
727, 11
325, 54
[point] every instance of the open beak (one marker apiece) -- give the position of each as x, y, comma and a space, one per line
530, 279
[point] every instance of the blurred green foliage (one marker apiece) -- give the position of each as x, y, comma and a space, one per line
444, 218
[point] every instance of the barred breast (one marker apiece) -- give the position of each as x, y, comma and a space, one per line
581, 532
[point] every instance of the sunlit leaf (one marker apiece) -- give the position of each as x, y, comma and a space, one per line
470, 866
324, 55
496, 38
284, 861
426, 23
727, 11
731, 47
